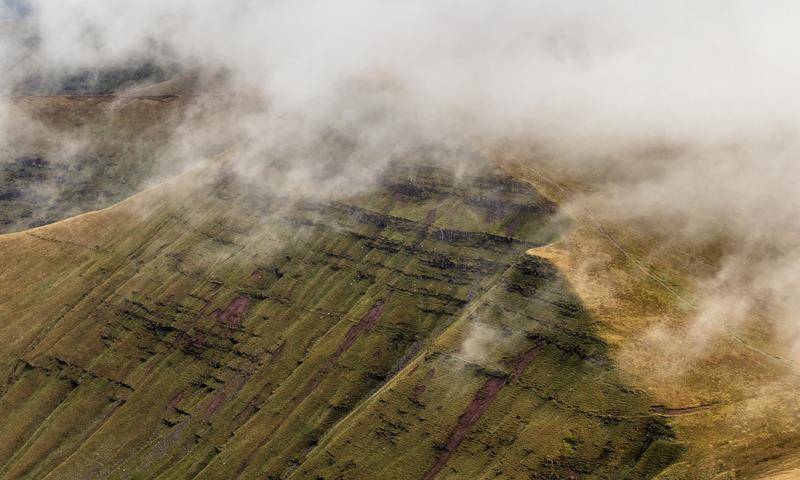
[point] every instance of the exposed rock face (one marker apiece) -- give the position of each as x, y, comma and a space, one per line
210, 337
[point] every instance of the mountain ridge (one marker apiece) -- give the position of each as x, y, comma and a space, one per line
153, 319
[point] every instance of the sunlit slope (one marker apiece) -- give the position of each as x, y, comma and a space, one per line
732, 396
203, 330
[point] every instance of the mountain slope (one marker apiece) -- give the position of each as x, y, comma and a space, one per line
732, 397
203, 329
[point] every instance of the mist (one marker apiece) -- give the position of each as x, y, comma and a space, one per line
684, 114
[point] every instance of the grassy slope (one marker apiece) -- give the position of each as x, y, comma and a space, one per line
748, 421
105, 296
200, 331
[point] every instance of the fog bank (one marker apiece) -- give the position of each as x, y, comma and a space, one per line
688, 110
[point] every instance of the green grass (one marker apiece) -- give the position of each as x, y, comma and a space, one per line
335, 317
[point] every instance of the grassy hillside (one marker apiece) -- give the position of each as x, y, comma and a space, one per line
732, 398
430, 328
204, 329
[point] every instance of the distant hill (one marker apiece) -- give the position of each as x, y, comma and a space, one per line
92, 81
68, 155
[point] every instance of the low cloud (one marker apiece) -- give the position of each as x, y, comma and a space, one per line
479, 343
684, 115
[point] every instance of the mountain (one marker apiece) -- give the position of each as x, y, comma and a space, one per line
442, 324
199, 330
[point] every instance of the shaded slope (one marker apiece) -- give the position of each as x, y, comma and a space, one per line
207, 331
730, 400
543, 403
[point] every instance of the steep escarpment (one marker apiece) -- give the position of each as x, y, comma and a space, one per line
209, 330
542, 401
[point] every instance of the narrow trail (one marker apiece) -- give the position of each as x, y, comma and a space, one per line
641, 266
665, 411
